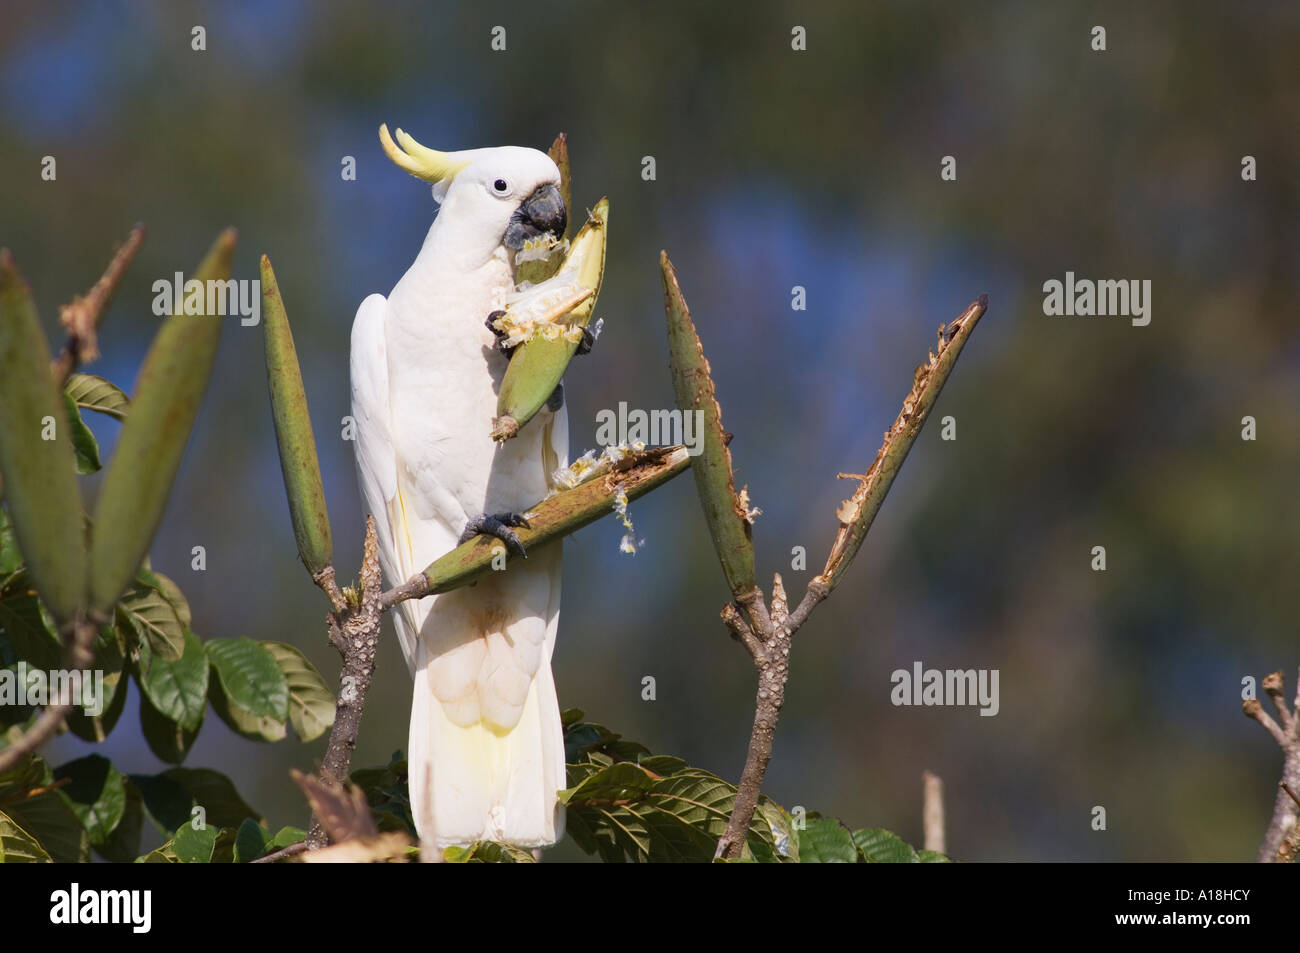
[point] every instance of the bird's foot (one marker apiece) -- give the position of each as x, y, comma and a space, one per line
498, 525
588, 339
501, 335
556, 400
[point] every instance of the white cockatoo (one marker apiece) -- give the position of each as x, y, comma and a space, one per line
486, 750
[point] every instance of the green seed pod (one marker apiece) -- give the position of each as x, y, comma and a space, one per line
166, 401
36, 454
539, 269
726, 512
549, 318
297, 445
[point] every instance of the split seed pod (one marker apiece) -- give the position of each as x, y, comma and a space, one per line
548, 320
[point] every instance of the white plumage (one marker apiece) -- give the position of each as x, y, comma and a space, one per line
486, 752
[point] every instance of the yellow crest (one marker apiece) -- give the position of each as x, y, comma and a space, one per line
421, 162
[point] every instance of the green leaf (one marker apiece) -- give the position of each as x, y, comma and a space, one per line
630, 811
250, 693
588, 741
311, 703
123, 844
85, 447
31, 771
223, 848
826, 841
216, 794
724, 511
13, 718
10, 558
250, 676
40, 481
932, 857
578, 740
691, 811
178, 689
561, 514
27, 628
286, 836
659, 763
784, 838
160, 855
298, 461
168, 590
386, 793
172, 796
154, 619
17, 846
879, 846
167, 800
487, 852
251, 841
194, 845
28, 648
95, 393
245, 723
593, 837
47, 818
623, 780
96, 793
169, 741
167, 396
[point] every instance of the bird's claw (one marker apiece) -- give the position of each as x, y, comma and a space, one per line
588, 339
500, 335
499, 526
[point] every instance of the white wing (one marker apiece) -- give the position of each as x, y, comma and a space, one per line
376, 459
369, 367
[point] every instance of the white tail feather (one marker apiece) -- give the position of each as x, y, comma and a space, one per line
482, 784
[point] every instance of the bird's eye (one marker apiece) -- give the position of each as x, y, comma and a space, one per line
501, 186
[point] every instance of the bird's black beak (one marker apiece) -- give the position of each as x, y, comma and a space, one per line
541, 212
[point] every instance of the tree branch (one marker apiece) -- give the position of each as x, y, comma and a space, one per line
1282, 839
1251, 708
551, 519
932, 812
770, 649
78, 655
769, 636
82, 315
284, 853
354, 631
1272, 685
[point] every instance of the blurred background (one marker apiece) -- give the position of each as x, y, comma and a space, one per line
775, 168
